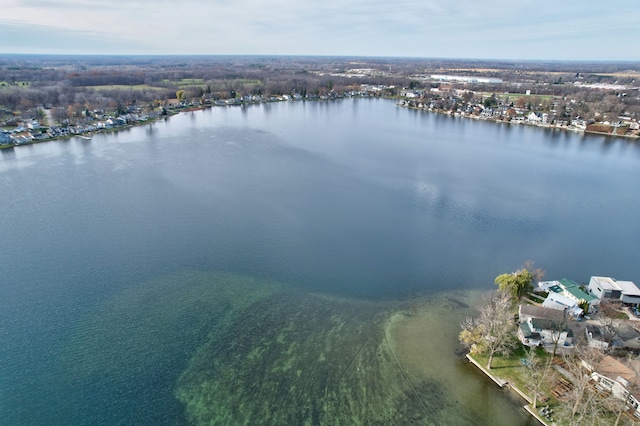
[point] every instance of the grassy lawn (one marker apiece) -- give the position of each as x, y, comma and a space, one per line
536, 297
509, 368
186, 83
512, 97
512, 368
124, 87
18, 84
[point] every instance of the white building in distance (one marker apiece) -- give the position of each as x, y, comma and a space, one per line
465, 79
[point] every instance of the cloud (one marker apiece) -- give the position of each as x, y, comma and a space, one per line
456, 28
18, 37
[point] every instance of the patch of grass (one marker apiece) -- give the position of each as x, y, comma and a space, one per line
512, 97
124, 87
17, 84
536, 297
185, 83
512, 369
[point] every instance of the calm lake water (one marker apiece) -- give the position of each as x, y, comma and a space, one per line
138, 263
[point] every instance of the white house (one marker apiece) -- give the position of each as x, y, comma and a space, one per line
534, 118
539, 326
569, 289
610, 288
561, 302
544, 332
613, 376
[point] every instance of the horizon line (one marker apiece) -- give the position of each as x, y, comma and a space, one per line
340, 56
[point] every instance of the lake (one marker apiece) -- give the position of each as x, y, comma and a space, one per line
243, 264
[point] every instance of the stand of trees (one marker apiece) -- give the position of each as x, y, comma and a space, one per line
29, 81
492, 332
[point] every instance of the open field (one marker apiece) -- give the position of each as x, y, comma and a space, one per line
18, 84
514, 96
185, 83
124, 87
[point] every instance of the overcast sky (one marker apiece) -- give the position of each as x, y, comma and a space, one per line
488, 29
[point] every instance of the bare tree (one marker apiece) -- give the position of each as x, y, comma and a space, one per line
492, 332
538, 373
538, 273
585, 405
559, 327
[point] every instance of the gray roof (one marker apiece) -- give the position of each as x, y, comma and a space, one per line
540, 312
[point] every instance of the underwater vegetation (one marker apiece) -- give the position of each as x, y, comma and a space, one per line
221, 348
305, 359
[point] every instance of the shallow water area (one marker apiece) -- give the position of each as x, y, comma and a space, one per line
422, 338
236, 350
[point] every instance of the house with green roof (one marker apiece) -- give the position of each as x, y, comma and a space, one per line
570, 289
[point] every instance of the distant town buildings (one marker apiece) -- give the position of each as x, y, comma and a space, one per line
466, 79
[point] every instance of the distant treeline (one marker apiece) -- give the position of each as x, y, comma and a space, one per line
79, 83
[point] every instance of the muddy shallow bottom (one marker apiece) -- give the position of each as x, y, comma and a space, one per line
236, 350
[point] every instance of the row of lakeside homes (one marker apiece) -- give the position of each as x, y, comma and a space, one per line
33, 131
567, 294
549, 326
619, 379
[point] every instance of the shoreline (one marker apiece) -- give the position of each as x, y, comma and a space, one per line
170, 113
88, 135
409, 333
546, 126
506, 384
204, 107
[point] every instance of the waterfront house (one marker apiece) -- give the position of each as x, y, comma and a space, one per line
528, 336
610, 288
5, 138
534, 117
544, 332
562, 303
579, 123
526, 312
569, 289
22, 137
539, 325
618, 379
33, 125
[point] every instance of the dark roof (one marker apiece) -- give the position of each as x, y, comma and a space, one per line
541, 312
527, 332
547, 324
595, 331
